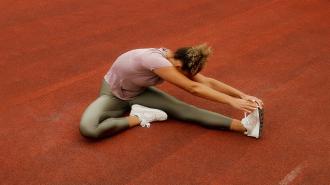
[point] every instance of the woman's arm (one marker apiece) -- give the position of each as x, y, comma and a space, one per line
222, 87
218, 86
172, 75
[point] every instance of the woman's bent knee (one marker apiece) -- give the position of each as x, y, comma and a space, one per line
88, 131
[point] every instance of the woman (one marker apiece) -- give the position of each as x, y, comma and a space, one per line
129, 85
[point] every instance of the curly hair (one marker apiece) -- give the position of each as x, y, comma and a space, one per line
193, 58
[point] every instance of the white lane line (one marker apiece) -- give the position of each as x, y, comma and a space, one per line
293, 174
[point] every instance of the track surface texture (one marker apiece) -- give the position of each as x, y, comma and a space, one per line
53, 55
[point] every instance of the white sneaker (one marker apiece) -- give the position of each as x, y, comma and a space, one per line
253, 123
147, 115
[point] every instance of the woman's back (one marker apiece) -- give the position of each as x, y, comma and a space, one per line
132, 72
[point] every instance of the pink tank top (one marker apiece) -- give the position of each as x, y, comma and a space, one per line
132, 71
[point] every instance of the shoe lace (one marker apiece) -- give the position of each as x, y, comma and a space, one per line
246, 118
145, 124
147, 119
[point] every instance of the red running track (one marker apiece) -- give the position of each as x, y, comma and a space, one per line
53, 55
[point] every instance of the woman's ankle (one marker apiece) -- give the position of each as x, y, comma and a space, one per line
237, 126
133, 121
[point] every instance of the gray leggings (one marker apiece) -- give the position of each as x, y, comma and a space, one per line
104, 116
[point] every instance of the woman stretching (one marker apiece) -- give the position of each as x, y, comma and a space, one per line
129, 86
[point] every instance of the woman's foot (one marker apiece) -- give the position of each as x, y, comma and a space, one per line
254, 123
147, 115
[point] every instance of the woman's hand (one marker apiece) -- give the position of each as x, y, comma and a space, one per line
253, 99
244, 105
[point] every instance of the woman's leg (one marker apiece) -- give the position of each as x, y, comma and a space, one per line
102, 118
155, 98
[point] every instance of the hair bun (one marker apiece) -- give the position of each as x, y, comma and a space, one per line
203, 49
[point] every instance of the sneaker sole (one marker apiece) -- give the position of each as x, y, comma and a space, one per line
261, 119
